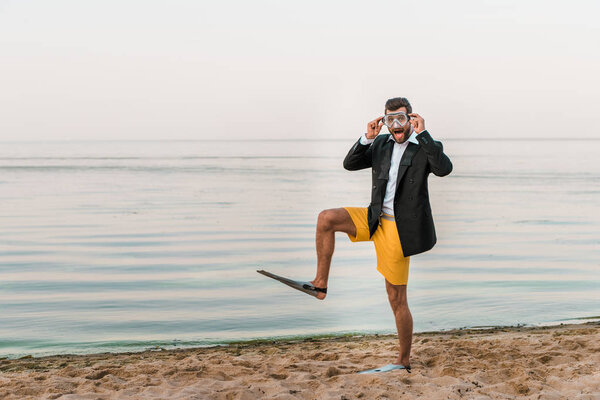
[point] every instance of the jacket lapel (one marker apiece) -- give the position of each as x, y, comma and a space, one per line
386, 159
406, 161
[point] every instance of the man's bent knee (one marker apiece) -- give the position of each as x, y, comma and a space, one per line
336, 219
326, 220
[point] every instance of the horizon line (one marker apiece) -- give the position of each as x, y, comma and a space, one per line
282, 140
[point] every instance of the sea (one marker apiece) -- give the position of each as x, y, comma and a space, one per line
111, 246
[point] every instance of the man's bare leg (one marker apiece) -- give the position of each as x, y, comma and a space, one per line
404, 321
329, 222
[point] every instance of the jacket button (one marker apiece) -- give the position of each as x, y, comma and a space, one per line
410, 197
411, 180
374, 186
414, 215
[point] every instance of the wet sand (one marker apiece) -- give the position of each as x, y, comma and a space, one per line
557, 362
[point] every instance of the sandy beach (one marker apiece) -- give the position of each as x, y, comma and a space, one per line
557, 362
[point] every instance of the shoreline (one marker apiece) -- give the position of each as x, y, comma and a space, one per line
168, 345
558, 361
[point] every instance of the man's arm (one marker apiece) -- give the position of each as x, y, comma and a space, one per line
360, 155
439, 162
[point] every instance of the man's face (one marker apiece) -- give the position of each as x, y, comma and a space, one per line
400, 133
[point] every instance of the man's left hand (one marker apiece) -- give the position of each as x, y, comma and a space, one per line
417, 122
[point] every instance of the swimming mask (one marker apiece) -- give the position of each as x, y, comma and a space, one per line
400, 118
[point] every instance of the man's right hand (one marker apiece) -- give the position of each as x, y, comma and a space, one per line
374, 127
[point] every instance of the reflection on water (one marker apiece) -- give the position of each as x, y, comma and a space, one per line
109, 246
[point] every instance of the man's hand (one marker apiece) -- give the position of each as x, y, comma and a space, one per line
417, 122
374, 127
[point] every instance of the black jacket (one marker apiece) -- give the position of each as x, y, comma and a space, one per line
412, 210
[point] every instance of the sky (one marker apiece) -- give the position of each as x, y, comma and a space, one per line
233, 69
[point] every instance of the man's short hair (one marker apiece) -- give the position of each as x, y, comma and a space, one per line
396, 103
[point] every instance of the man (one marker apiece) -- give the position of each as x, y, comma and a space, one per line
399, 219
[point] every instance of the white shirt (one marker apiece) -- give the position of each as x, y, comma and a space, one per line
397, 152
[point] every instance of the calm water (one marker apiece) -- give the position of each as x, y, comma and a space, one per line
109, 246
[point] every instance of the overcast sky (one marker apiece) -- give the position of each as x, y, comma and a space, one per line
296, 69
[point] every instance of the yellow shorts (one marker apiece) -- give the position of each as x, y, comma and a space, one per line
391, 262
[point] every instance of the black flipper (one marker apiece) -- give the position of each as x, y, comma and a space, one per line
305, 287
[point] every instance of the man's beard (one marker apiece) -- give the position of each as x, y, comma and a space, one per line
400, 135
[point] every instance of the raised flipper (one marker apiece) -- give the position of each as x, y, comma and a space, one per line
305, 287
